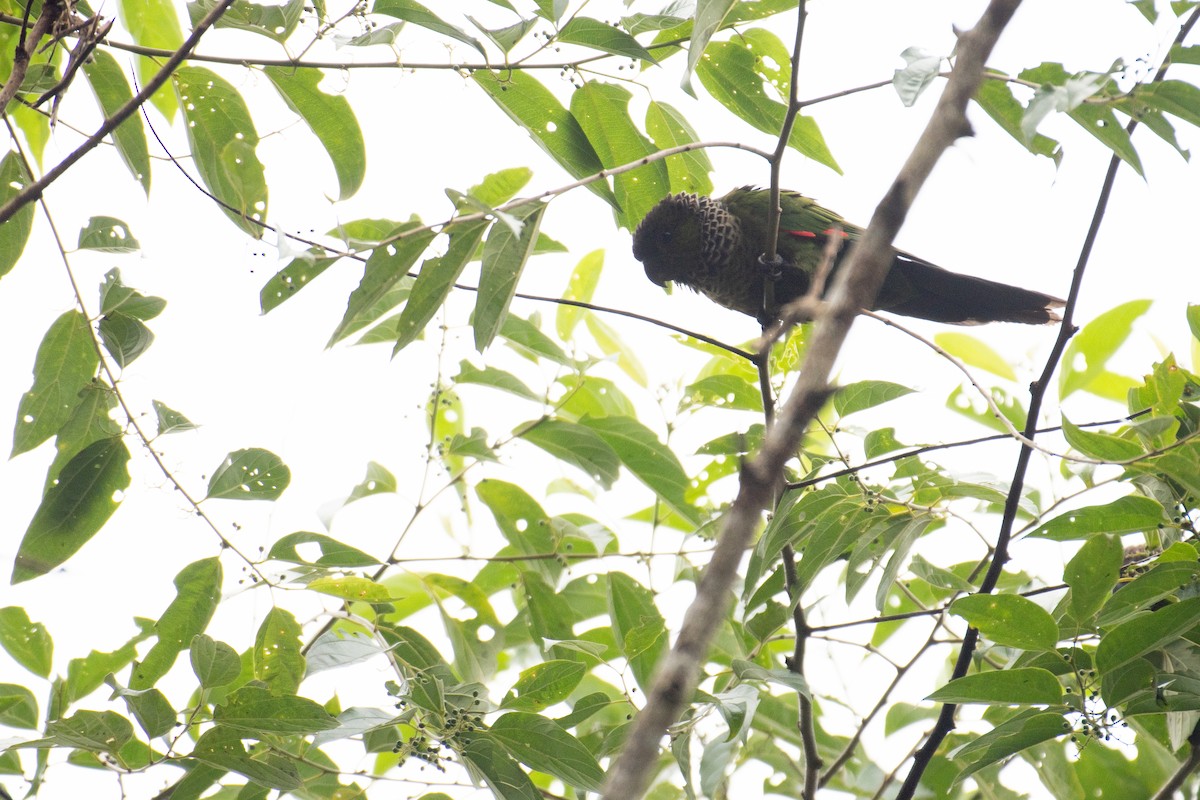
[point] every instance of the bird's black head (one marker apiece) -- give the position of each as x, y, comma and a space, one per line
667, 241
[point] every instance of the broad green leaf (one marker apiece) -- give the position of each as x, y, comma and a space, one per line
74, 508
866, 394
1089, 351
222, 747
1181, 464
378, 480
283, 285
504, 257
107, 235
552, 10
111, 88
149, 707
638, 627
996, 98
1006, 739
1009, 620
706, 21
125, 337
18, 707
1101, 122
222, 137
1164, 580
385, 282
1022, 686
153, 23
614, 347
90, 421
1130, 514
116, 296
353, 588
329, 117
417, 14
495, 378
499, 187
95, 731
65, 364
580, 288
1179, 98
339, 648
540, 744
1103, 446
14, 233
493, 765
26, 642
550, 617
689, 171
544, 685
722, 391
170, 420
651, 462
278, 661
275, 21
508, 37
1092, 574
588, 396
197, 594
332, 552
214, 663
249, 474
967, 402
603, 37
526, 338
577, 445
731, 74
1139, 636
749, 671
85, 675
436, 279
532, 106
974, 353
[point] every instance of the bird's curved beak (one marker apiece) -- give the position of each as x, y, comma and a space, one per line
656, 276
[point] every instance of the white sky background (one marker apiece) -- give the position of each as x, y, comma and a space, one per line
990, 209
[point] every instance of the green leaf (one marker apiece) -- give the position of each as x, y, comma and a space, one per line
689, 171
65, 364
197, 594
540, 744
1180, 98
1092, 574
170, 420
378, 480
223, 140
1103, 446
278, 661
551, 9
580, 288
436, 279
214, 663
417, 14
492, 764
153, 23
866, 394
150, 708
722, 391
499, 187
731, 74
339, 648
352, 588
27, 642
504, 257
603, 37
332, 552
249, 474
508, 37
116, 296
495, 378
94, 731
1101, 122
1130, 514
532, 106
615, 348
274, 21
283, 285
648, 459
1089, 351
1021, 686
996, 98
74, 508
638, 627
1164, 580
577, 445
329, 117
1145, 633
705, 22
14, 233
975, 353
18, 708
222, 747
966, 401
112, 90
1012, 736
107, 235
544, 685
124, 337
920, 70
384, 284
526, 338
1008, 620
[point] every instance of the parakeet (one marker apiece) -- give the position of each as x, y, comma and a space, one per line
713, 246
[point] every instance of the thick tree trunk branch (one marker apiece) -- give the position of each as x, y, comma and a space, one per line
854, 287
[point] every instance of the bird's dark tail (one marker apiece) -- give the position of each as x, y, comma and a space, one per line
916, 288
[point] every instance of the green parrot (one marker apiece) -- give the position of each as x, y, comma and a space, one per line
713, 246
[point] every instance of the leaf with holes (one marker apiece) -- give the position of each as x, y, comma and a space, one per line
249, 474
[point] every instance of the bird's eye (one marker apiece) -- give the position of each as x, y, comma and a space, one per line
664, 237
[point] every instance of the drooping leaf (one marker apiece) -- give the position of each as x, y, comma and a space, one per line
14, 233
332, 552
504, 257
74, 508
541, 745
1089, 351
249, 474
648, 459
417, 14
170, 420
603, 37
974, 352
688, 171
66, 362
866, 394
385, 283
638, 627
577, 445
436, 279
197, 593
329, 117
278, 661
214, 663
153, 23
26, 642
